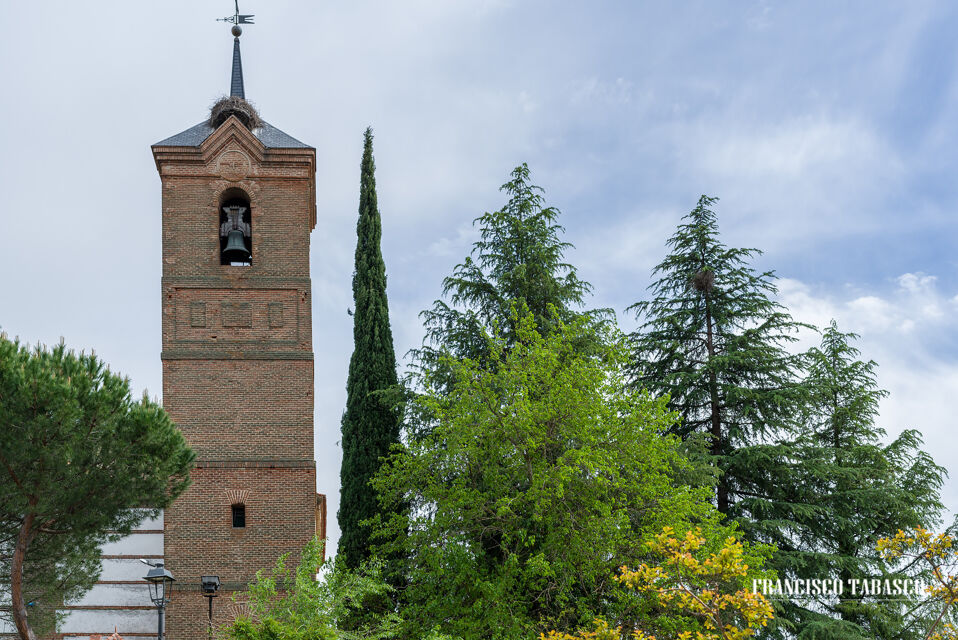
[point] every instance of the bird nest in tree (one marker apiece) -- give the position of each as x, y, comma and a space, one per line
235, 106
703, 280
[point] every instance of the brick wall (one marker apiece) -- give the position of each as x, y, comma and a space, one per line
241, 409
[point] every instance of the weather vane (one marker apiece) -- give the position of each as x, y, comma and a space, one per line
236, 18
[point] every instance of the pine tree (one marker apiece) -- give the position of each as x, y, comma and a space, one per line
370, 424
801, 463
81, 464
515, 268
713, 339
837, 490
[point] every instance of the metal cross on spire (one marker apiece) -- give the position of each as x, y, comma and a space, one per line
236, 81
237, 18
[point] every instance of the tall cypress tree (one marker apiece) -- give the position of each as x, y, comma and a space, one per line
714, 340
370, 424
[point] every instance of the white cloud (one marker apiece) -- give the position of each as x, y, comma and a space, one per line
795, 179
606, 92
626, 247
914, 304
905, 331
793, 149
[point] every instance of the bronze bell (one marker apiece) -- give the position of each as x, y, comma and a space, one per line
236, 250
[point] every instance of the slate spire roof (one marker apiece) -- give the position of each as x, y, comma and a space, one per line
236, 82
270, 136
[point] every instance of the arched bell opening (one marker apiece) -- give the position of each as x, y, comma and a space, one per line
236, 229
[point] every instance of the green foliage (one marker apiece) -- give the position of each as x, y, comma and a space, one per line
803, 466
708, 595
713, 340
81, 463
517, 263
835, 490
543, 474
58, 569
370, 424
292, 604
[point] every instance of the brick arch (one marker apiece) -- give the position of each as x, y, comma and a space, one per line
237, 496
219, 187
237, 609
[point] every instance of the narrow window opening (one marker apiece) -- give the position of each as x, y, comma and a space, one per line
236, 232
239, 516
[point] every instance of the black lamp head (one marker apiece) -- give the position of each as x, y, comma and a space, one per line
161, 584
210, 584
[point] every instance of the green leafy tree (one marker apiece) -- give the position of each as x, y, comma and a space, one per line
543, 474
713, 340
81, 464
711, 593
370, 424
837, 489
297, 604
518, 262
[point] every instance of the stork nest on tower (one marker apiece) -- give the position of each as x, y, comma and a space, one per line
235, 106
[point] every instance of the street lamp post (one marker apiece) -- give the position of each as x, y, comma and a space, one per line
209, 585
161, 588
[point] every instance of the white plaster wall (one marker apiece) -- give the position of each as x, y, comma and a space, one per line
126, 636
105, 595
102, 621
151, 523
135, 544
125, 570
80, 623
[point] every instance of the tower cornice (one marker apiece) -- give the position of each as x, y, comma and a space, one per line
233, 153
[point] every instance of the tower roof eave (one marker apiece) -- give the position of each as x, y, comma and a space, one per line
270, 136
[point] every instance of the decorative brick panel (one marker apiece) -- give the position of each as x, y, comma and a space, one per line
236, 314
276, 319
208, 317
197, 315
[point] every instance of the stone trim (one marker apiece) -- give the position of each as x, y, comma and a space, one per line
232, 354
262, 463
109, 607
192, 583
214, 282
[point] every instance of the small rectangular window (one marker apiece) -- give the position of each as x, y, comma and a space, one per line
239, 516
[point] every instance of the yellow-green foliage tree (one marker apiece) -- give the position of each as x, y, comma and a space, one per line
698, 595
938, 555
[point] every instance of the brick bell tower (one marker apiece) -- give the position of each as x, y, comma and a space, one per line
238, 207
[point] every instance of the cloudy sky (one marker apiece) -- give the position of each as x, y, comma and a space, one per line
828, 133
